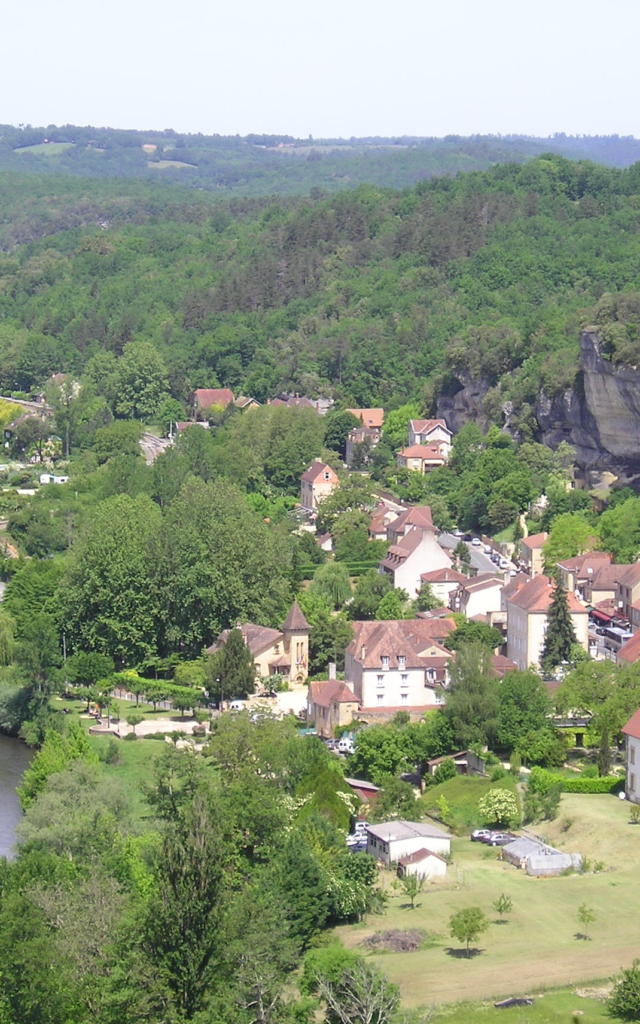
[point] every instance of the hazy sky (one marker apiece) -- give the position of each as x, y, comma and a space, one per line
329, 68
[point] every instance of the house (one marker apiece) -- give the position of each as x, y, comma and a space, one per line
575, 573
443, 582
365, 791
414, 549
629, 652
531, 554
424, 863
360, 443
603, 585
372, 419
628, 596
319, 405
330, 703
392, 840
466, 762
631, 732
527, 608
383, 514
427, 432
51, 478
317, 483
204, 399
398, 664
276, 652
421, 458
243, 402
480, 595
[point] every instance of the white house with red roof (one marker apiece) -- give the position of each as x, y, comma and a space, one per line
398, 664
414, 549
428, 432
316, 484
422, 458
443, 582
527, 605
631, 732
480, 595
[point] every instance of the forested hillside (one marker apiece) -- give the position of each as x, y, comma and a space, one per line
281, 164
372, 295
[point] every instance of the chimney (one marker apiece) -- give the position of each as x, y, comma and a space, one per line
363, 651
332, 670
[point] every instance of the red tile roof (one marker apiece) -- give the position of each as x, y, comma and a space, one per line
419, 855
632, 727
629, 653
430, 452
369, 417
581, 564
536, 595
632, 576
426, 426
316, 470
295, 620
501, 664
445, 575
419, 515
535, 540
331, 691
206, 397
397, 637
257, 638
398, 553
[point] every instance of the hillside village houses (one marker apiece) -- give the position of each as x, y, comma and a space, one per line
431, 432
276, 652
413, 550
531, 554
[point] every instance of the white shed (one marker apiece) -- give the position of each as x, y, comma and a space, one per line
392, 840
423, 862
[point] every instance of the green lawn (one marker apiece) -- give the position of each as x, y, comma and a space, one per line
538, 946
462, 793
553, 1007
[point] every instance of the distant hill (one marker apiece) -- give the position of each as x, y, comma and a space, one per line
280, 164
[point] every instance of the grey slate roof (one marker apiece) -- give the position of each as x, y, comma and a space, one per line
388, 831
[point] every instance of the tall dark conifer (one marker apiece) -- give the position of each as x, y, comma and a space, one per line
560, 636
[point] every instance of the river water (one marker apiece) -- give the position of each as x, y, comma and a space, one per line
14, 758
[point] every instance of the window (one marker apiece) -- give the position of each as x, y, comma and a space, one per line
380, 697
402, 662
326, 476
431, 675
632, 754
632, 782
385, 662
404, 679
380, 681
404, 697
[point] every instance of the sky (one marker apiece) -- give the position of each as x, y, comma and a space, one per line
336, 68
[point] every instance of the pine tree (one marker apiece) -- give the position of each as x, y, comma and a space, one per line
231, 672
560, 635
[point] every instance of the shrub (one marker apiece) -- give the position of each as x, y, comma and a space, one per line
130, 736
497, 773
624, 1001
445, 771
542, 781
634, 814
109, 753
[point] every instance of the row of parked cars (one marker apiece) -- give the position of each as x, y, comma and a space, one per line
491, 837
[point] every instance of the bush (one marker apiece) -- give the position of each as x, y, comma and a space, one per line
624, 1001
109, 753
130, 736
500, 807
497, 773
542, 781
445, 771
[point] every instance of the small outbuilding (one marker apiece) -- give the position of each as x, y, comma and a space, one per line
536, 858
390, 841
423, 862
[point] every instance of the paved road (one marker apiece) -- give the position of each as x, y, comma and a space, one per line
478, 559
153, 446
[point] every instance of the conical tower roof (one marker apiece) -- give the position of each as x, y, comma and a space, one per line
295, 621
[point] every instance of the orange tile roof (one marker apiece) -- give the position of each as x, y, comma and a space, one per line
630, 652
423, 451
316, 469
396, 637
535, 540
632, 727
206, 397
331, 691
369, 417
535, 597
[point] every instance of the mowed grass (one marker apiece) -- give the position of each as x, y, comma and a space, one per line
46, 148
462, 794
162, 165
538, 947
552, 1007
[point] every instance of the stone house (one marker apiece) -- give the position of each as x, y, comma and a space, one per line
531, 554
317, 483
576, 573
628, 595
330, 703
422, 458
414, 549
276, 652
428, 432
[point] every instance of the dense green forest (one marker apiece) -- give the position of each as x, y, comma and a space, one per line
374, 296
281, 164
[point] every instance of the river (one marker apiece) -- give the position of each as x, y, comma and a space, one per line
14, 758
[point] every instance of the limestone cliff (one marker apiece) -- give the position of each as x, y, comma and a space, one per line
599, 415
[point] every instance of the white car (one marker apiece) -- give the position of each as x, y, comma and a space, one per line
476, 542
346, 745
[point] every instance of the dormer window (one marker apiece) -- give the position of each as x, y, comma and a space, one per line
402, 662
385, 662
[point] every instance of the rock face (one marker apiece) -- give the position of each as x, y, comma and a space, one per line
465, 405
599, 416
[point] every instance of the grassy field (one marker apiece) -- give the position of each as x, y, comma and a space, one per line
538, 946
162, 164
462, 794
551, 1007
46, 148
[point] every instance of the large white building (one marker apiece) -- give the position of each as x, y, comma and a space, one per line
632, 781
398, 664
414, 549
527, 605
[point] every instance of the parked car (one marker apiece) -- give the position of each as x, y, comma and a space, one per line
360, 828
346, 745
487, 549
500, 839
504, 563
476, 542
481, 835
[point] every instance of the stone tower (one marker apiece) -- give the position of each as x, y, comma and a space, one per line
296, 631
